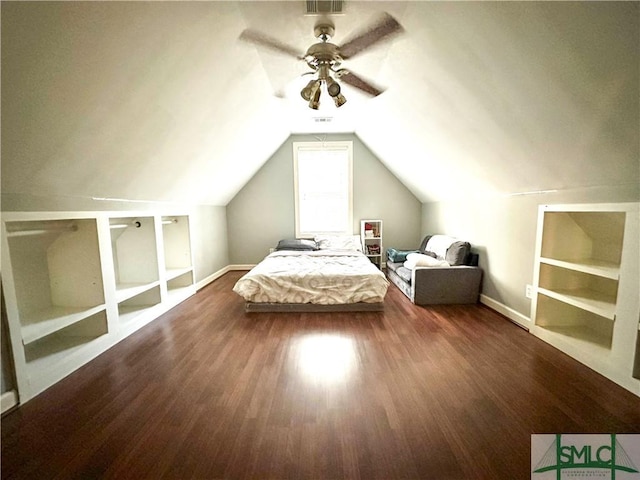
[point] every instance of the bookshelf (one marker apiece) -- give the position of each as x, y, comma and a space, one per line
371, 238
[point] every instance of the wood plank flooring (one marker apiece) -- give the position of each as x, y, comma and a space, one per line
208, 391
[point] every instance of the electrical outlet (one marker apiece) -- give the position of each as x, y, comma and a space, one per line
528, 291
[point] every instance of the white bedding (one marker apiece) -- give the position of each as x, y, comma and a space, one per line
324, 277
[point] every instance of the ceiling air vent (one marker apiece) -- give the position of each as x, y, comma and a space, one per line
319, 7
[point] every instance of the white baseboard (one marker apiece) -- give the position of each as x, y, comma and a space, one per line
214, 276
206, 281
241, 267
510, 313
9, 400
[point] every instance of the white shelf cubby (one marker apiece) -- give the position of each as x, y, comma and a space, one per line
57, 278
137, 308
178, 261
135, 255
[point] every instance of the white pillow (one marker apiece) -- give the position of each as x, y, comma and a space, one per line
421, 260
339, 242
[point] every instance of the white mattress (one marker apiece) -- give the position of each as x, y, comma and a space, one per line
323, 277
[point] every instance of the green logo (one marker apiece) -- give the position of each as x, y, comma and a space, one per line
605, 456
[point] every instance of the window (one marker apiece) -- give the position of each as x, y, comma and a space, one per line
322, 174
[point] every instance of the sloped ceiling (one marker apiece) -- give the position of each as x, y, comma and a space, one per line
160, 101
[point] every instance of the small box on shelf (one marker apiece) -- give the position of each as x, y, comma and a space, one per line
373, 249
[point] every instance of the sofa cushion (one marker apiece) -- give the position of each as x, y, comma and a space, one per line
403, 285
404, 273
393, 266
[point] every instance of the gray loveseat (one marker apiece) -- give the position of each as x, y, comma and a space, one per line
453, 275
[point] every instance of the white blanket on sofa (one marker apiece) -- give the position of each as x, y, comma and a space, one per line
439, 244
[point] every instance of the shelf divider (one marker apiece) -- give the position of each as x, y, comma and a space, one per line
589, 300
125, 291
44, 322
590, 266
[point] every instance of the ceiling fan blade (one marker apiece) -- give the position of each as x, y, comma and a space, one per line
262, 40
385, 27
360, 83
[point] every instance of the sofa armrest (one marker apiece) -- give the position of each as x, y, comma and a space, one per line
460, 284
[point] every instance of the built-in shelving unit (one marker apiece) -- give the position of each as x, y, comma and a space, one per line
177, 256
371, 238
586, 286
75, 283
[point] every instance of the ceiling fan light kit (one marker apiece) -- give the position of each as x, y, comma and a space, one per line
313, 88
324, 57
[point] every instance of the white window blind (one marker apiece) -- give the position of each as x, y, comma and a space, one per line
323, 188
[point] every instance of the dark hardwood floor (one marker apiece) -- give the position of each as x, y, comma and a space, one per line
207, 391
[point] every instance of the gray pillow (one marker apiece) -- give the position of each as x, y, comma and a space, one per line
298, 244
457, 253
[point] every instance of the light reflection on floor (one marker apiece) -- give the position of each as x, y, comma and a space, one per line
325, 358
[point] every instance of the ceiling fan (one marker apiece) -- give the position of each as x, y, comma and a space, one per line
324, 58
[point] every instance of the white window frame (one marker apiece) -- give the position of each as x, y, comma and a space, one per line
346, 146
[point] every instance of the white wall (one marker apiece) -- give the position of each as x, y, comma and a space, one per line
209, 240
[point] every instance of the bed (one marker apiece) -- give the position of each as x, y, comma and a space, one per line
331, 275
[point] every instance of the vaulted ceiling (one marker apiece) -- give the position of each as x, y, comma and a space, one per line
160, 101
